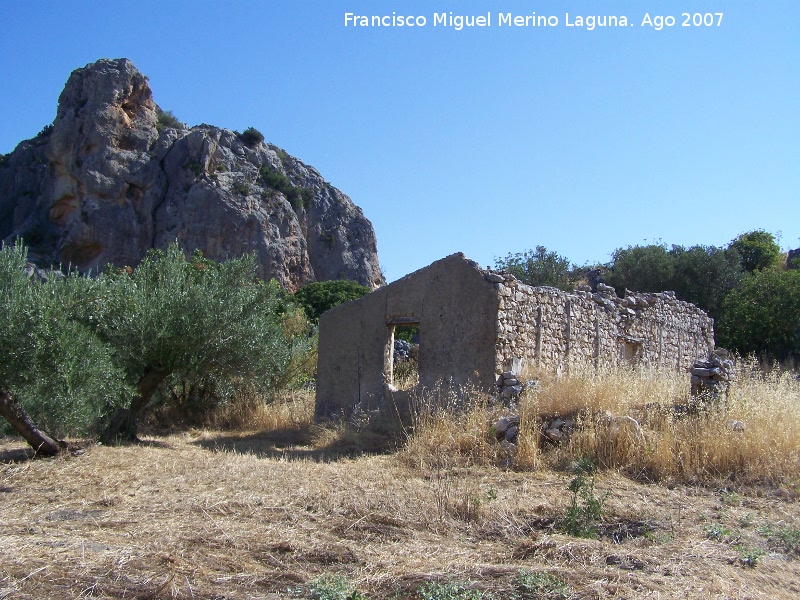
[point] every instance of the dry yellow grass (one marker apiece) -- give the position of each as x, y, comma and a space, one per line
672, 445
263, 513
663, 435
447, 428
178, 517
289, 411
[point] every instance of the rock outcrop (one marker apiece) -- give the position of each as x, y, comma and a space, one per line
793, 259
113, 178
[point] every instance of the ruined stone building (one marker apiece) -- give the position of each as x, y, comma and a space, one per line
474, 324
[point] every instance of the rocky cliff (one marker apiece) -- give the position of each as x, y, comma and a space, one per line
115, 176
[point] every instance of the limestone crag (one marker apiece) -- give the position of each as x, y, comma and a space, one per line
111, 179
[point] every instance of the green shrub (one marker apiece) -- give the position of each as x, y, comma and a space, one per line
406, 332
45, 131
790, 539
320, 296
540, 585
434, 590
334, 587
641, 268
717, 532
704, 275
749, 556
276, 180
242, 187
297, 197
167, 120
539, 267
586, 509
251, 137
762, 315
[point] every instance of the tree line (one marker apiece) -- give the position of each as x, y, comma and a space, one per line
746, 286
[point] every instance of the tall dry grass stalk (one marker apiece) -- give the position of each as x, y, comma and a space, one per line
643, 423
753, 435
450, 428
289, 410
606, 389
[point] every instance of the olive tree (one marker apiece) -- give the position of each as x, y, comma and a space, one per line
56, 376
193, 318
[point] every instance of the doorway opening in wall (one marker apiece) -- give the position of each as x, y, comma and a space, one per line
403, 367
630, 352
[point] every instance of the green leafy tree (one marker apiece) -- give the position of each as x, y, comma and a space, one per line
189, 397
762, 315
757, 249
641, 268
194, 319
320, 296
540, 267
704, 275
56, 376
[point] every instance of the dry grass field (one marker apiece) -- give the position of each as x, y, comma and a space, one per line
693, 509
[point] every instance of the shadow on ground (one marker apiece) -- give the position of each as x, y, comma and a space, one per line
15, 455
316, 444
24, 453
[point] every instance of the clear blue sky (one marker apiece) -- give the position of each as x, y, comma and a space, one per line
486, 140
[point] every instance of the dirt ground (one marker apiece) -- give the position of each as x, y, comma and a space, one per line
265, 516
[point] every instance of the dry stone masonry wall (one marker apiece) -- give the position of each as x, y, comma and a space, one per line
480, 329
552, 329
711, 378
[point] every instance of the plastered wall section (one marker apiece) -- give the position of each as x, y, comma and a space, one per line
552, 329
456, 309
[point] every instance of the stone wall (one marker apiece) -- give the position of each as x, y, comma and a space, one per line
454, 308
477, 325
552, 329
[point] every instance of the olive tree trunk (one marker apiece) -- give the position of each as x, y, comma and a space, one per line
124, 424
42, 443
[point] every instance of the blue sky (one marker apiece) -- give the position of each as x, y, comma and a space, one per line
487, 140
